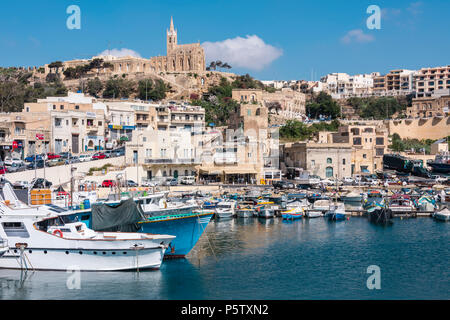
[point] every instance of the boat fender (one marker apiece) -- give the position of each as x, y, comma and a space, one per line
57, 231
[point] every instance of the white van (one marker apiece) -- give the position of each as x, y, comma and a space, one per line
187, 180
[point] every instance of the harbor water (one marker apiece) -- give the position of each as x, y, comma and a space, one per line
272, 259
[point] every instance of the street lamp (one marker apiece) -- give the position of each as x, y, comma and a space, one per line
137, 159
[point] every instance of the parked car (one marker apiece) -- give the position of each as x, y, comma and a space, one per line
56, 162
17, 167
119, 152
38, 164
283, 185
131, 183
148, 183
9, 161
188, 180
85, 157
32, 157
73, 159
3, 170
348, 180
65, 155
173, 182
108, 153
439, 179
51, 156
98, 156
108, 184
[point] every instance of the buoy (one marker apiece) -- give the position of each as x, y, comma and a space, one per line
57, 231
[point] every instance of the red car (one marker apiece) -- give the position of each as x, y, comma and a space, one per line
99, 156
3, 170
108, 183
51, 156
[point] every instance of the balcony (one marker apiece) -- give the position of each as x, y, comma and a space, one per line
171, 161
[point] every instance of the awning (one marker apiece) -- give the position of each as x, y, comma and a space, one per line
239, 171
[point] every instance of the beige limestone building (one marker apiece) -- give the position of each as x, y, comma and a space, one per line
247, 152
286, 102
326, 160
75, 123
437, 105
23, 134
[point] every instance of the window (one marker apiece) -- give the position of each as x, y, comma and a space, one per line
379, 141
61, 107
365, 156
329, 160
313, 163
357, 141
15, 229
100, 123
249, 112
77, 107
148, 153
343, 161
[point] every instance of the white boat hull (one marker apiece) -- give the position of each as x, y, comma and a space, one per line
314, 214
442, 217
88, 260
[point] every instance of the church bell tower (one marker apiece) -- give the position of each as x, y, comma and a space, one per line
171, 37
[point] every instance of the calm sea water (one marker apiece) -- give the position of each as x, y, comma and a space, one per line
274, 259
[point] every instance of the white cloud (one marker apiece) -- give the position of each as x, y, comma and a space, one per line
120, 53
250, 52
357, 35
415, 8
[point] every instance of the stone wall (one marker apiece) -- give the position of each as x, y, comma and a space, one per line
429, 128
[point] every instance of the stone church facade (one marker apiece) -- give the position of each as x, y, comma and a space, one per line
179, 58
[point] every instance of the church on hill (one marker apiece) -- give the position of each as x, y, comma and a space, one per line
179, 58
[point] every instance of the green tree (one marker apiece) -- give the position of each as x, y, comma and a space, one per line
94, 87
323, 105
118, 88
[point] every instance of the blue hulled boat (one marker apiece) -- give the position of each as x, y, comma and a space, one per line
186, 226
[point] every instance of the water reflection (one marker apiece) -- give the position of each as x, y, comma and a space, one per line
55, 285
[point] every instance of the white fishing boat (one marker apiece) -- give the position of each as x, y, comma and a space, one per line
353, 197
265, 209
443, 215
313, 214
337, 212
226, 209
245, 209
401, 203
318, 208
303, 203
41, 239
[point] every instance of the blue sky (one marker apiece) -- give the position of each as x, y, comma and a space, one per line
272, 39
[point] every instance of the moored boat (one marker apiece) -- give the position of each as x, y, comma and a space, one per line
380, 215
265, 209
245, 209
443, 215
337, 212
293, 214
46, 240
225, 209
400, 203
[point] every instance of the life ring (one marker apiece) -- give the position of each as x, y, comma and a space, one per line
57, 231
